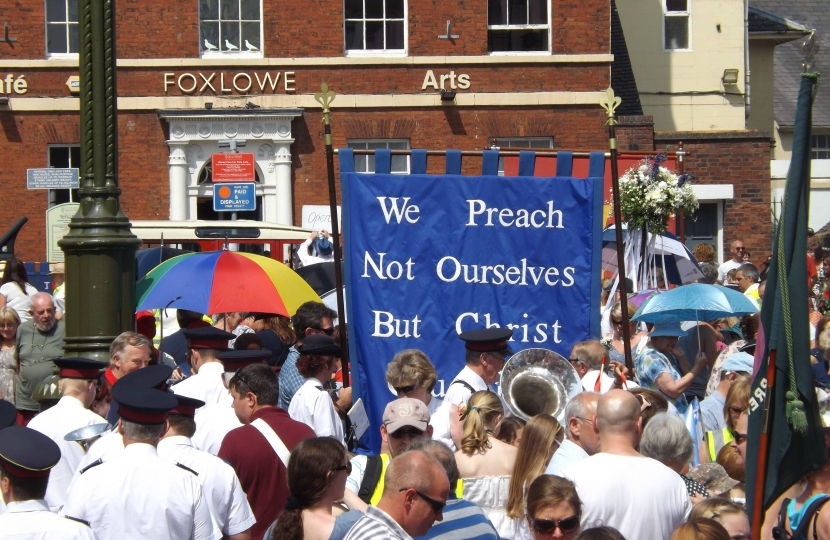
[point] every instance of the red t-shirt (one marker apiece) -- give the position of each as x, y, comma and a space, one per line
261, 473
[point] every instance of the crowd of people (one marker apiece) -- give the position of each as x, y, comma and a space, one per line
236, 426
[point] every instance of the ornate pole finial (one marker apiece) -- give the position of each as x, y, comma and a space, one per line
610, 104
811, 48
324, 97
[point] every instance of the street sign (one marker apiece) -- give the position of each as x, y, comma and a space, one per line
52, 178
233, 168
234, 197
57, 225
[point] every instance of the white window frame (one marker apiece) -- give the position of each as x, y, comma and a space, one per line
50, 193
380, 143
378, 52
666, 14
548, 26
825, 150
233, 54
65, 23
517, 143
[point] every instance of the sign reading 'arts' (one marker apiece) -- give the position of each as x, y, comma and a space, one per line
430, 257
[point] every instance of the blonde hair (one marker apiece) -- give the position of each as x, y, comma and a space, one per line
538, 438
479, 414
738, 396
715, 508
8, 315
700, 529
411, 366
616, 310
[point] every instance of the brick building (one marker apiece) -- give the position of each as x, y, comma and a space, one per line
528, 73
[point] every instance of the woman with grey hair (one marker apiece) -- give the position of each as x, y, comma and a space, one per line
667, 440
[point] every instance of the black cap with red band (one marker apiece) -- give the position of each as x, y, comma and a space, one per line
187, 406
79, 368
140, 404
201, 335
27, 453
488, 340
238, 359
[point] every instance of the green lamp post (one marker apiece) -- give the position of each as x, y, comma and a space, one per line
99, 248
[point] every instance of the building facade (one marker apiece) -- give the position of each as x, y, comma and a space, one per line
193, 73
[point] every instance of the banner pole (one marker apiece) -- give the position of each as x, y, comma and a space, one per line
610, 104
324, 98
763, 453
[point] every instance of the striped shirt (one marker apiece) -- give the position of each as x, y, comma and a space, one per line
462, 519
376, 525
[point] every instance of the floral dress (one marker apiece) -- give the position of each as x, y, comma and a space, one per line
649, 365
8, 374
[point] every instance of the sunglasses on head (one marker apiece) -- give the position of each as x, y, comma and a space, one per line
437, 506
547, 526
404, 389
411, 433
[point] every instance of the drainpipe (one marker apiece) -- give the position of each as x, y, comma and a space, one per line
747, 100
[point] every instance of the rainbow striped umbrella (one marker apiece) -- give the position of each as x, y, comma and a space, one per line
224, 281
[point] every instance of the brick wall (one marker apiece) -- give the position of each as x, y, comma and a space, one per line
739, 158
309, 28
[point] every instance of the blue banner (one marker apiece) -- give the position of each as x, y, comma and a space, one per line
428, 257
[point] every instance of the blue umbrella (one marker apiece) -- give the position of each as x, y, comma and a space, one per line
694, 302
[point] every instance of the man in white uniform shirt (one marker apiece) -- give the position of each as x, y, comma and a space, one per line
111, 444
138, 494
619, 487
26, 456
78, 385
215, 421
312, 405
486, 353
203, 342
223, 493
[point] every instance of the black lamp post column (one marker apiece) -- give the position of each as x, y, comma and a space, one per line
100, 248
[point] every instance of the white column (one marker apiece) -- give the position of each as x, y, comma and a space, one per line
178, 180
282, 171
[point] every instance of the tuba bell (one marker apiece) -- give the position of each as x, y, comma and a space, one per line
538, 381
87, 435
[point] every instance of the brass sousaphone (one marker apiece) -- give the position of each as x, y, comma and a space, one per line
538, 381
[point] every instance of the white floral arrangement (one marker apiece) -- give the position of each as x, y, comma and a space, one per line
650, 194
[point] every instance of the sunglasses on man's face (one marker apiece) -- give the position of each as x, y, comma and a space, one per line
411, 433
328, 331
437, 506
547, 526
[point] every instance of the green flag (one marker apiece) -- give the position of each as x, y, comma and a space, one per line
793, 425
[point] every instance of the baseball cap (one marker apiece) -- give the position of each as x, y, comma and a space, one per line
406, 412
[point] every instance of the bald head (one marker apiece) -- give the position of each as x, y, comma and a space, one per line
414, 469
618, 412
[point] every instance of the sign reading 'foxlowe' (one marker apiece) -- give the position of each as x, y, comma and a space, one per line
430, 257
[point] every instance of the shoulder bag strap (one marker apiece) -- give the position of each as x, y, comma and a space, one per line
465, 384
273, 439
804, 525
